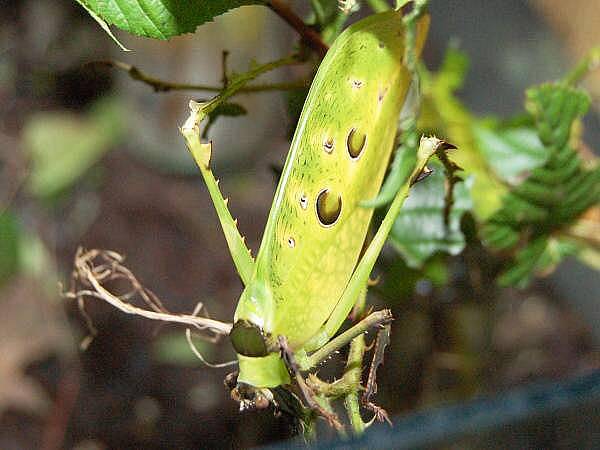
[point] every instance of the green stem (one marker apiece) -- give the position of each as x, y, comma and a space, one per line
164, 86
317, 8
590, 62
238, 82
353, 377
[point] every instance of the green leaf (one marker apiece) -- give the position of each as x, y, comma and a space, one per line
510, 152
554, 194
419, 230
62, 146
9, 246
161, 19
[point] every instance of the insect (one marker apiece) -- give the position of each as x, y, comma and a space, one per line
311, 268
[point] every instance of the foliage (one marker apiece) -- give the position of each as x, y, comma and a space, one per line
160, 19
420, 230
510, 151
529, 183
554, 194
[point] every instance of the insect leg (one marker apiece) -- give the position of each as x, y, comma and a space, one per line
201, 152
427, 147
400, 169
288, 358
377, 318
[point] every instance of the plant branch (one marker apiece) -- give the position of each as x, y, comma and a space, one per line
164, 86
309, 36
238, 82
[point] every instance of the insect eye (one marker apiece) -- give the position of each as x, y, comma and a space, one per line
356, 142
248, 339
329, 207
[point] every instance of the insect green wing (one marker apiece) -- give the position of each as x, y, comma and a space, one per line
338, 157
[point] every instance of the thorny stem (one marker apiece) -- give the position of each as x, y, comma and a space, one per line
308, 35
450, 168
164, 86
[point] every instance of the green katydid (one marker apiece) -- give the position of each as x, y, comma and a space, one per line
311, 268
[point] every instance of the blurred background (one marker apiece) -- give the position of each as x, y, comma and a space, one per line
90, 157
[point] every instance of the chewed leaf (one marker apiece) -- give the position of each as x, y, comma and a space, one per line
419, 230
158, 19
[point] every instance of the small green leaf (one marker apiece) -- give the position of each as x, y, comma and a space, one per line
63, 146
419, 230
9, 246
160, 19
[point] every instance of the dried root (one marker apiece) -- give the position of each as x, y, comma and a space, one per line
95, 269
